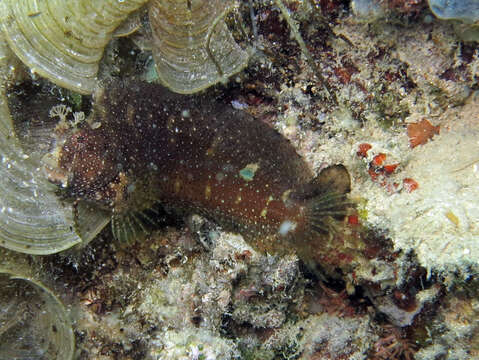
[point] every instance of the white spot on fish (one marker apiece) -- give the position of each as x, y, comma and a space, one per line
239, 105
286, 227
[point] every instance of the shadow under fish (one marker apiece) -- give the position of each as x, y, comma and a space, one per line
196, 155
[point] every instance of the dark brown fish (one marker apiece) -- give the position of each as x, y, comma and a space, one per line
201, 156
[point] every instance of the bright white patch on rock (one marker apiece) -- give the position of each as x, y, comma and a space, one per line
444, 169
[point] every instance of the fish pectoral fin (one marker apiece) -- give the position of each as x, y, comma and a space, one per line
132, 225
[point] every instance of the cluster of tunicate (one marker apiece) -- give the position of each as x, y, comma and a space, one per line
192, 45
463, 10
367, 10
65, 41
33, 322
33, 219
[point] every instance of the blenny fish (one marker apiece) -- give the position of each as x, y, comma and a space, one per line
197, 155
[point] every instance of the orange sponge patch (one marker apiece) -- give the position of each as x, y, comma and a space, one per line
420, 133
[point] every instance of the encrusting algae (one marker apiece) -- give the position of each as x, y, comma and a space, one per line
196, 156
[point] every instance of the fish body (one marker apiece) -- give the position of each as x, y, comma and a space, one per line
196, 155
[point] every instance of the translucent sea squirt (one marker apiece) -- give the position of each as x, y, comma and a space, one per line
464, 10
33, 322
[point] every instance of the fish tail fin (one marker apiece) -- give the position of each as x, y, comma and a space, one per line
326, 199
324, 212
325, 203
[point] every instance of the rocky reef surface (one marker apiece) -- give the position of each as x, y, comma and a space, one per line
389, 88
